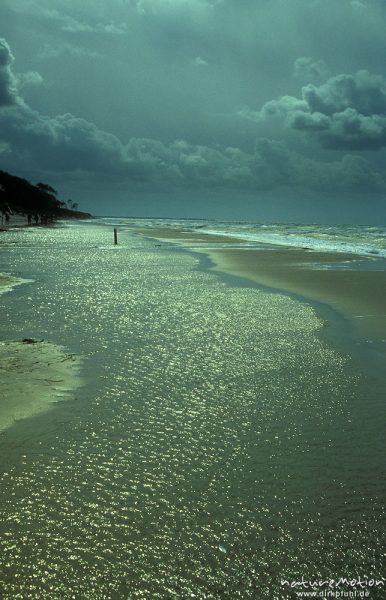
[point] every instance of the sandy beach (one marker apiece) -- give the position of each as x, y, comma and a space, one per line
220, 441
358, 294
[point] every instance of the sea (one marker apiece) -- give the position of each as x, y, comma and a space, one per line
221, 444
361, 240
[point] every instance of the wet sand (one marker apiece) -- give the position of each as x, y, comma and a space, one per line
180, 236
358, 294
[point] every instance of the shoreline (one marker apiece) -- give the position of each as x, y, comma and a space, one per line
355, 293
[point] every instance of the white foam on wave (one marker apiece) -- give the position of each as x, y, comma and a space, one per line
299, 241
352, 239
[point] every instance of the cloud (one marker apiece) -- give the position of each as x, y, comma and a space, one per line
276, 163
357, 5
31, 78
63, 143
4, 149
270, 166
68, 144
159, 6
63, 20
8, 93
346, 112
308, 70
199, 62
364, 92
286, 105
49, 51
184, 164
71, 25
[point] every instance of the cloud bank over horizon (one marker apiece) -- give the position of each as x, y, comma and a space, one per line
195, 95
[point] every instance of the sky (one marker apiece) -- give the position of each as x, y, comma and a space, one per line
263, 110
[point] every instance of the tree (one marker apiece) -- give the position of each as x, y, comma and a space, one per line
44, 187
72, 205
18, 195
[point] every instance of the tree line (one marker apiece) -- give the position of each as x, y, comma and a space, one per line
39, 203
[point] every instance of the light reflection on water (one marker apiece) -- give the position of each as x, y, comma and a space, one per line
218, 446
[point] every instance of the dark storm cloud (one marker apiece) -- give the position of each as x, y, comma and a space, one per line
277, 165
145, 93
63, 143
346, 112
70, 144
363, 92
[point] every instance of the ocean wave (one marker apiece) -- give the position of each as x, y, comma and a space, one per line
354, 240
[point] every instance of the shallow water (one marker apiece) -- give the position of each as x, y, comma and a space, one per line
218, 445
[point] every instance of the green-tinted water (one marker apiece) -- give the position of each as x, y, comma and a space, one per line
217, 447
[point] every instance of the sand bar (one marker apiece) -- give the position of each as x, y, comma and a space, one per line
32, 377
356, 293
7, 282
33, 374
179, 236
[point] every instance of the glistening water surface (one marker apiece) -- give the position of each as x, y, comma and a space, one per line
218, 446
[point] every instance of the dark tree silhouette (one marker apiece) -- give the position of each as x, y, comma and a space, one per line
18, 195
72, 205
47, 188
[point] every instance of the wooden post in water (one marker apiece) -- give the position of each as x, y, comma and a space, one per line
115, 236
